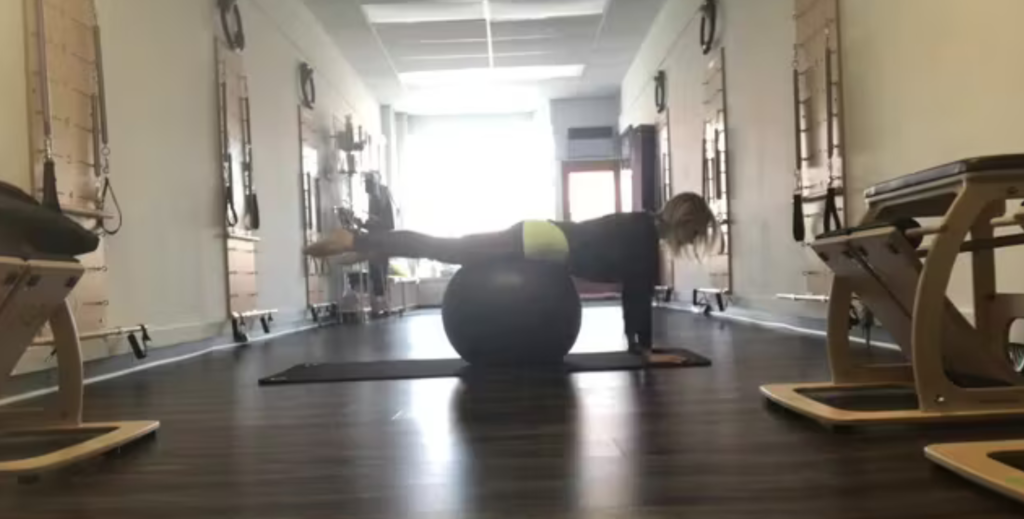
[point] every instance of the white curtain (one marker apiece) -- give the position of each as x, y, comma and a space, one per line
476, 173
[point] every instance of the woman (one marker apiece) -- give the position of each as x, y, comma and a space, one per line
618, 248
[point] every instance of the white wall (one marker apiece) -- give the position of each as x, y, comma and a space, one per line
581, 113
14, 156
949, 87
167, 267
925, 82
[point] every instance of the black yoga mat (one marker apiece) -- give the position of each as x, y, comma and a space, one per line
438, 368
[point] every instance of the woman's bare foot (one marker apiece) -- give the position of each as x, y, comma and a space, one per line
338, 242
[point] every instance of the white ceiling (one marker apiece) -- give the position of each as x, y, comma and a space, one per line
452, 55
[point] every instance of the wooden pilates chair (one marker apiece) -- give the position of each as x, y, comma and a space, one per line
955, 370
38, 270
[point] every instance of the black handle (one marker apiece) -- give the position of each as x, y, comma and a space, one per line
228, 161
832, 222
708, 25
229, 191
659, 91
50, 198
307, 85
252, 208
799, 230
138, 349
799, 225
252, 202
229, 12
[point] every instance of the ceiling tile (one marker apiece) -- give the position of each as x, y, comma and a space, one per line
423, 11
502, 10
582, 26
416, 33
445, 63
425, 36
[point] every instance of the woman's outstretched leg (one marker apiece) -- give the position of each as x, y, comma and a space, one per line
472, 248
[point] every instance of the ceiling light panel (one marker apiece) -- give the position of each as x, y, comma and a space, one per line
487, 76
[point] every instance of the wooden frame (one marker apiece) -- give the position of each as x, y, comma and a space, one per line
717, 164
909, 297
570, 167
977, 461
72, 75
26, 307
317, 271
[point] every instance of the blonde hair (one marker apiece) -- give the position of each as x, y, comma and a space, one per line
688, 226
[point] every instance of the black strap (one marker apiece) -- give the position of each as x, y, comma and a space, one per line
108, 190
252, 201
659, 91
799, 229
50, 198
799, 225
227, 159
708, 25
832, 221
307, 85
229, 12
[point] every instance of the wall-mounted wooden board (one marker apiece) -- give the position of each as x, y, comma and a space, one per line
716, 167
819, 125
242, 275
819, 89
72, 76
312, 144
241, 241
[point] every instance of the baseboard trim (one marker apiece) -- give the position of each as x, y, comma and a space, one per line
797, 324
41, 383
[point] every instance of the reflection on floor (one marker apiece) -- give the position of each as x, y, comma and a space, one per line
668, 444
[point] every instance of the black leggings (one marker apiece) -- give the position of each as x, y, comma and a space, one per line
472, 248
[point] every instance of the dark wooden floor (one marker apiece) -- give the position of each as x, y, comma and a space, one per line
669, 444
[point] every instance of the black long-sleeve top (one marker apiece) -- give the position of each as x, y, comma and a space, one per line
619, 248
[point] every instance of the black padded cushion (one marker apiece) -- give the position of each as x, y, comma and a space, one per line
45, 230
990, 164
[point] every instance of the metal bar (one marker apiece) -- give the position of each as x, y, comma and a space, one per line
803, 297
235, 236
985, 244
253, 313
1005, 221
711, 290
86, 213
97, 146
44, 76
830, 108
101, 86
102, 334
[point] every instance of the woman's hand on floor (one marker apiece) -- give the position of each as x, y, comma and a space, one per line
663, 358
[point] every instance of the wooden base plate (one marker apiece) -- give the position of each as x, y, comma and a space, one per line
977, 462
793, 398
112, 435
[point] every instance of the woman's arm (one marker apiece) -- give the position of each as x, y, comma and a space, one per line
637, 315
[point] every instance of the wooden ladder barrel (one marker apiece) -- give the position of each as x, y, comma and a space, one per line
956, 370
38, 271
